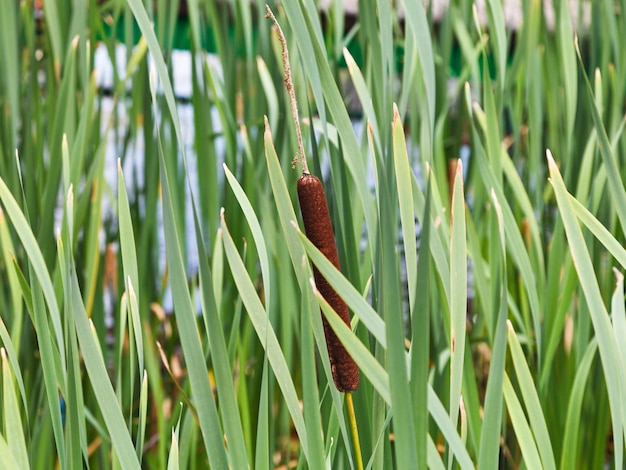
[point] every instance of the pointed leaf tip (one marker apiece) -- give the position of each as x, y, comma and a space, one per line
551, 162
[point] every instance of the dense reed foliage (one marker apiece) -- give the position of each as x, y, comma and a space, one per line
161, 312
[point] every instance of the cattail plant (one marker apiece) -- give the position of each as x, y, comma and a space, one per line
319, 230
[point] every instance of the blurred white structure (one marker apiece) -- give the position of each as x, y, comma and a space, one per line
512, 10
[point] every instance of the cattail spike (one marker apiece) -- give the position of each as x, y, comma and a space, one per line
319, 230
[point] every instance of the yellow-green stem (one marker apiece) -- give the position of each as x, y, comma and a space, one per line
355, 432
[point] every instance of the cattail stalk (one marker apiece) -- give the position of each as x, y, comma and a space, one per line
318, 229
355, 432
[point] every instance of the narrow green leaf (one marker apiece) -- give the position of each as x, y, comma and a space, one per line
147, 29
10, 352
520, 426
491, 127
492, 422
65, 158
616, 186
75, 431
6, 456
367, 363
439, 250
515, 248
618, 312
523, 199
440, 415
418, 22
364, 96
188, 330
434, 459
458, 294
269, 91
24, 232
221, 363
405, 198
49, 361
420, 341
597, 310
310, 389
265, 333
143, 413
605, 237
567, 54
173, 461
572, 426
531, 401
257, 232
366, 314
262, 455
390, 305
9, 60
51, 15
63, 122
129, 260
7, 248
99, 378
11, 414
498, 33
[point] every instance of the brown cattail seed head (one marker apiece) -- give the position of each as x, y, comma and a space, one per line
319, 230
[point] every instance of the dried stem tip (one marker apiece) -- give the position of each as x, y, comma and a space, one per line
319, 230
299, 158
